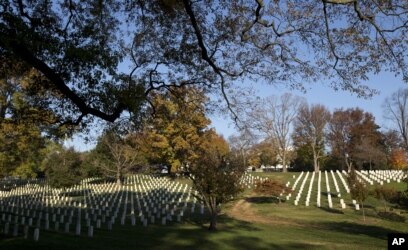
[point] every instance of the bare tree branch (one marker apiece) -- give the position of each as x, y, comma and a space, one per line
205, 57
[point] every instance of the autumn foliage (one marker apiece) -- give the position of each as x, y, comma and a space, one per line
215, 174
398, 159
271, 187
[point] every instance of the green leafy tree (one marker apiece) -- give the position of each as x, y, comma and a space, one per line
25, 120
89, 166
304, 157
63, 167
358, 189
215, 174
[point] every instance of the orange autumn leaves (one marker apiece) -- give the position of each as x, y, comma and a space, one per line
398, 159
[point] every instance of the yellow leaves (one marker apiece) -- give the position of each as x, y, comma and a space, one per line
159, 141
28, 79
398, 159
175, 165
26, 170
254, 161
180, 143
212, 143
22, 143
176, 131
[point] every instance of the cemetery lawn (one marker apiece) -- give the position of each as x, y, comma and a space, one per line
249, 222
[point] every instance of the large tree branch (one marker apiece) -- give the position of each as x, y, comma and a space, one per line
206, 57
22, 52
329, 38
339, 1
264, 23
23, 13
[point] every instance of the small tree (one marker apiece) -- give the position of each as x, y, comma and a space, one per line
216, 175
115, 156
358, 189
241, 143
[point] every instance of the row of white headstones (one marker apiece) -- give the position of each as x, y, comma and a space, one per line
368, 177
249, 180
141, 200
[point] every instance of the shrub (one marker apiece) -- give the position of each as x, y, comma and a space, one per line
385, 194
388, 194
271, 187
391, 216
392, 196
402, 199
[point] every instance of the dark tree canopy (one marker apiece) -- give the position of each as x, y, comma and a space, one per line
77, 47
62, 167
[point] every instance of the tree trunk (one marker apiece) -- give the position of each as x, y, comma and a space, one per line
119, 182
385, 204
284, 169
370, 163
362, 206
213, 209
213, 222
315, 162
118, 177
243, 158
349, 165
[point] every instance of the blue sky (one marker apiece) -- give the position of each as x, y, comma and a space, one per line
321, 93
317, 93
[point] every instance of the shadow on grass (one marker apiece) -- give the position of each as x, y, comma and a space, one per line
331, 210
199, 237
189, 234
358, 229
366, 206
262, 199
224, 224
324, 193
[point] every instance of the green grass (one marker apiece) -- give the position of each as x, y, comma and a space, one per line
286, 227
311, 228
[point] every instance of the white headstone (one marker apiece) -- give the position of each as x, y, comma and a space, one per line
36, 234
90, 231
78, 229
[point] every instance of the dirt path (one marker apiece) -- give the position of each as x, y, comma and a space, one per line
243, 210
